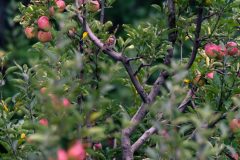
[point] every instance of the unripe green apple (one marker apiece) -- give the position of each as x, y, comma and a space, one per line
207, 2
43, 23
30, 32
44, 36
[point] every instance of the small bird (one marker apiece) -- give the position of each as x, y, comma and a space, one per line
110, 42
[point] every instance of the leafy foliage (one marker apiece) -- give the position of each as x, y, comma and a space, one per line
74, 91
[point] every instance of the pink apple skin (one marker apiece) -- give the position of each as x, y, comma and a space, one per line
210, 75
43, 122
97, 146
51, 11
29, 32
66, 102
62, 155
222, 52
235, 156
232, 48
61, 5
43, 23
212, 50
44, 36
76, 151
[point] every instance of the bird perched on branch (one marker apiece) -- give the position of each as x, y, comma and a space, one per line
110, 42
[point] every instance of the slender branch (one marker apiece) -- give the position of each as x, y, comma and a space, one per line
133, 59
140, 67
135, 82
196, 43
142, 111
187, 100
116, 56
209, 16
143, 138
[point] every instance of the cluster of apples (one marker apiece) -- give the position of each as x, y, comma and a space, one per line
217, 51
42, 32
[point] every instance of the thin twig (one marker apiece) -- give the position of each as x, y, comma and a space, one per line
116, 56
197, 35
143, 138
140, 67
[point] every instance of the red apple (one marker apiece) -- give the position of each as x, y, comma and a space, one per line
61, 5
210, 75
76, 151
30, 32
97, 146
43, 23
66, 102
212, 50
43, 122
232, 48
51, 11
62, 154
94, 6
44, 36
235, 156
234, 124
222, 52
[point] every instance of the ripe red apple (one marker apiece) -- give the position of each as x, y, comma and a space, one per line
76, 151
62, 154
43, 23
232, 48
44, 36
61, 5
222, 52
43, 122
235, 156
30, 32
235, 124
97, 146
51, 11
66, 102
212, 50
210, 75
94, 6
